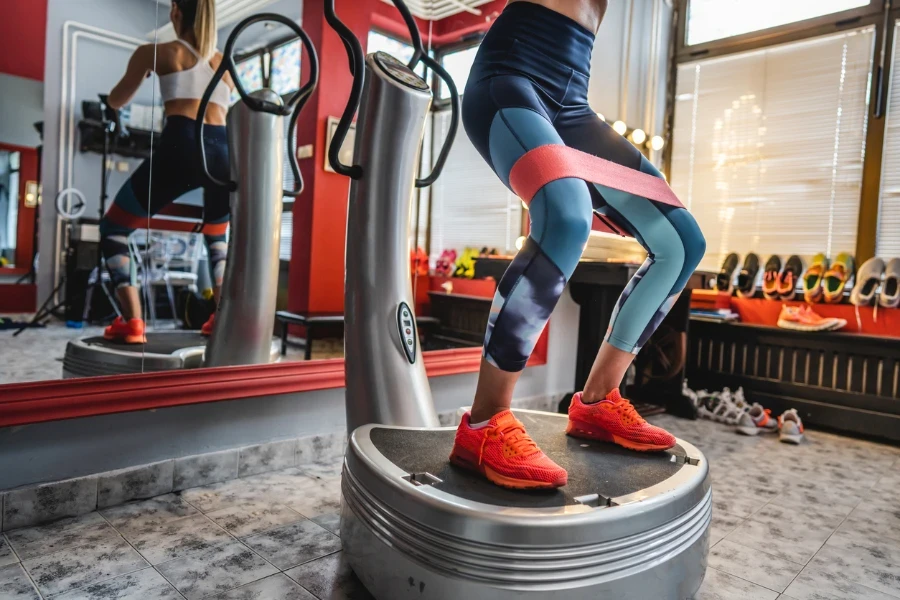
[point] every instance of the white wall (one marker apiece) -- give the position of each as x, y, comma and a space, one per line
98, 65
21, 105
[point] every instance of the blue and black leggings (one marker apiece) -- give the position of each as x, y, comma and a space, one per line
173, 171
528, 88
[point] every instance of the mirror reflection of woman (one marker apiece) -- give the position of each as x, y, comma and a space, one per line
529, 88
185, 68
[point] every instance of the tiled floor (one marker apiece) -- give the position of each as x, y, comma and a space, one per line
815, 522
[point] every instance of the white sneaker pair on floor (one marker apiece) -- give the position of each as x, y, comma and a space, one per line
759, 419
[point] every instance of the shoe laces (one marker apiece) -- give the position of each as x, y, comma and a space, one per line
627, 412
515, 436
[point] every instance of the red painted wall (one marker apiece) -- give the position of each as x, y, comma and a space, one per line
23, 32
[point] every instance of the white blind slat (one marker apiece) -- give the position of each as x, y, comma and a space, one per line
768, 146
888, 241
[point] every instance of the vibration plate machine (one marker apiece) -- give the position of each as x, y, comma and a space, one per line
256, 142
628, 526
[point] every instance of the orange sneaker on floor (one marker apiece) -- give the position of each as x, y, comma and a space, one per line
131, 332
503, 452
615, 420
208, 326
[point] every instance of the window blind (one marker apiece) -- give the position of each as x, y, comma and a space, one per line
470, 205
768, 146
888, 241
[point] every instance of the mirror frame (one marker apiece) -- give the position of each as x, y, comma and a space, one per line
42, 401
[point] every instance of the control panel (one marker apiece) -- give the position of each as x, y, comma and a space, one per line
406, 322
400, 72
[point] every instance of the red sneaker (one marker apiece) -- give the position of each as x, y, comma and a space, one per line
614, 419
208, 326
131, 332
504, 453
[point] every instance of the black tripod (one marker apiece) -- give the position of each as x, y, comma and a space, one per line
111, 128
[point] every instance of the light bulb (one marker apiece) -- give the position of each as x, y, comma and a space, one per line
657, 143
601, 117
620, 127
520, 242
638, 136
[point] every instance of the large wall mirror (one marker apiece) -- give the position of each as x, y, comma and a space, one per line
102, 128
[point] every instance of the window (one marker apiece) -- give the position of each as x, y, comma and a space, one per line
768, 146
888, 240
285, 66
458, 65
710, 20
250, 73
470, 205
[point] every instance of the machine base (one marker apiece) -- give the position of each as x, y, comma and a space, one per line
629, 526
164, 351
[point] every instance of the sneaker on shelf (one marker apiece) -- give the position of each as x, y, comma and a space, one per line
771, 277
890, 289
130, 332
803, 318
207, 328
790, 275
746, 280
867, 282
725, 278
615, 420
502, 451
837, 278
790, 427
812, 279
756, 420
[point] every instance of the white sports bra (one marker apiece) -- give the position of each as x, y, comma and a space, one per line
190, 84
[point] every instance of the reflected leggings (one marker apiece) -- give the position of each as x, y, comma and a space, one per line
173, 171
528, 88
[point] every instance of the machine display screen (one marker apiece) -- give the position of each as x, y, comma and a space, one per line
399, 71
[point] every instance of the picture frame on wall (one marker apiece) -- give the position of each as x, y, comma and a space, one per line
346, 154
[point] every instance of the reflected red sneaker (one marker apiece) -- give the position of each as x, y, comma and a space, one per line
504, 453
208, 326
131, 332
615, 420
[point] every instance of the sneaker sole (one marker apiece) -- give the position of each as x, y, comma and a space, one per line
747, 430
581, 430
128, 339
791, 439
800, 327
460, 460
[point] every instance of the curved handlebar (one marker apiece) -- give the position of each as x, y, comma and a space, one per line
419, 54
292, 107
357, 69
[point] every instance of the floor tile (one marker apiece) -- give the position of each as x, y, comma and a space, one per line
295, 544
145, 481
275, 587
178, 538
330, 578
15, 584
871, 562
735, 502
331, 522
722, 524
757, 567
61, 535
215, 570
83, 565
826, 583
7, 556
267, 457
254, 517
145, 584
204, 469
794, 544
721, 586
45, 502
221, 495
138, 517
321, 500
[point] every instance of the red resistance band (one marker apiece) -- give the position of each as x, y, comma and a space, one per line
549, 163
123, 218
